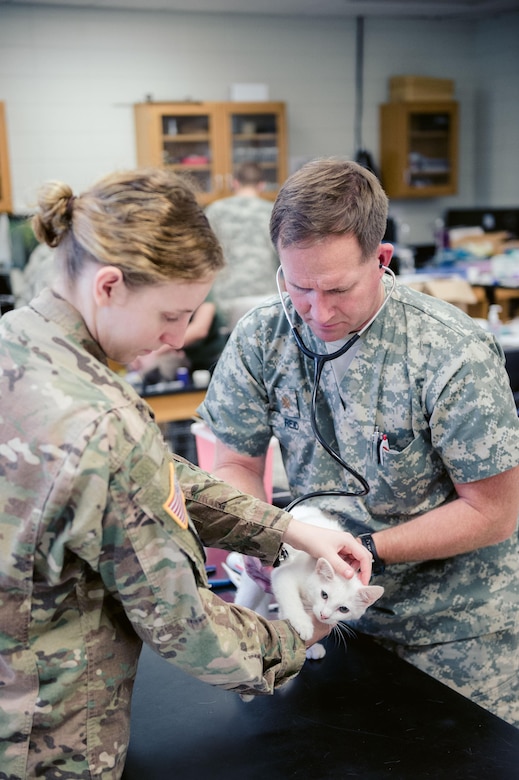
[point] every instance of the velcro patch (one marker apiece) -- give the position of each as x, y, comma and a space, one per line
175, 505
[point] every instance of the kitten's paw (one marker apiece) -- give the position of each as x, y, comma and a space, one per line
246, 697
315, 652
304, 626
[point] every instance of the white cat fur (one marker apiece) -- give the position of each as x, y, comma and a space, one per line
301, 584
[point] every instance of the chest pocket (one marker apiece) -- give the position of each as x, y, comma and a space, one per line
409, 480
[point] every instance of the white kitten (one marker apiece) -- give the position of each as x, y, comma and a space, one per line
302, 584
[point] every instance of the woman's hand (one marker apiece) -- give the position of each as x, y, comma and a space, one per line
344, 553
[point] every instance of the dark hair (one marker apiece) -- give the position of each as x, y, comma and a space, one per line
146, 222
249, 174
330, 197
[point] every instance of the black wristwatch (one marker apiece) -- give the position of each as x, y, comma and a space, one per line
378, 566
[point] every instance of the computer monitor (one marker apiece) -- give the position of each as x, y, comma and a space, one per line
490, 219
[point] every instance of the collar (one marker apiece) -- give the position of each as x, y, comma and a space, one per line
53, 308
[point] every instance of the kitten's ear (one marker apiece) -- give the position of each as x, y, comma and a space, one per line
370, 593
323, 569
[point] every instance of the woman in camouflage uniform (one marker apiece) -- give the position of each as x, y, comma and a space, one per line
99, 522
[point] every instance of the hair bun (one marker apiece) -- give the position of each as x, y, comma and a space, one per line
69, 209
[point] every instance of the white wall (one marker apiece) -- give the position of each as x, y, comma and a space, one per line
496, 117
70, 77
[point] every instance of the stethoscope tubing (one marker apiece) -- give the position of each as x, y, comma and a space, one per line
319, 360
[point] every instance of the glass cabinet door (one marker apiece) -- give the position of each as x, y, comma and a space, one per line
187, 146
419, 148
258, 135
429, 155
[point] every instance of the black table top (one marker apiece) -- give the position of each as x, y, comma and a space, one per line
360, 712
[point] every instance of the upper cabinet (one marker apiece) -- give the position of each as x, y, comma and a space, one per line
419, 148
209, 140
5, 177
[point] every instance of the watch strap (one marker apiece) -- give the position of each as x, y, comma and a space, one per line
378, 565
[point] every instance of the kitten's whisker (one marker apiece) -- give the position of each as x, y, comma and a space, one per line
342, 632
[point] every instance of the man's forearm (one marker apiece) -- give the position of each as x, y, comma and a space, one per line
245, 480
452, 529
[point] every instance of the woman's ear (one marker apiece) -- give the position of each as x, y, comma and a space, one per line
109, 286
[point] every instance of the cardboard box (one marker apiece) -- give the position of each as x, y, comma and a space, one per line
249, 92
480, 244
456, 291
406, 88
451, 289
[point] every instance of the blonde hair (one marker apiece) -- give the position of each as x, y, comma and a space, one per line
330, 197
145, 222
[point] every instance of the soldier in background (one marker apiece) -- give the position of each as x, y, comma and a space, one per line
100, 550
241, 223
37, 274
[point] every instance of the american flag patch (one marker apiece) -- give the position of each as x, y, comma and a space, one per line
175, 505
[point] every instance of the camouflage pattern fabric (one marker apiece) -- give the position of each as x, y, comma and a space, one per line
431, 379
241, 224
483, 668
100, 553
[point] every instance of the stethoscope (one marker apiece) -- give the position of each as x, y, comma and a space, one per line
319, 360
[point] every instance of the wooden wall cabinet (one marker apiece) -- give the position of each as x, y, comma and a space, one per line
419, 148
5, 176
209, 140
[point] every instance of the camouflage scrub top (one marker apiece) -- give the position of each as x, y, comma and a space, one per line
241, 224
431, 379
98, 553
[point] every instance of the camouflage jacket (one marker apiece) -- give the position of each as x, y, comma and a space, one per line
434, 382
99, 553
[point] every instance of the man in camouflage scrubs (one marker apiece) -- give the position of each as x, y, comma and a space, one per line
443, 500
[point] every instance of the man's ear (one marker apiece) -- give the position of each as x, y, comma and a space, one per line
385, 253
109, 286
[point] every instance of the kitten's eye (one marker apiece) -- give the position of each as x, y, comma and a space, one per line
344, 610
324, 595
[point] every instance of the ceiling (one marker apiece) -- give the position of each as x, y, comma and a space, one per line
433, 9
